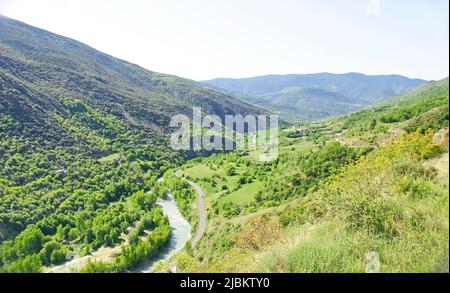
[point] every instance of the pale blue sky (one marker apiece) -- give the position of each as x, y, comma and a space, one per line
203, 39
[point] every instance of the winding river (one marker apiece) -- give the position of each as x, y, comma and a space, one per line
181, 233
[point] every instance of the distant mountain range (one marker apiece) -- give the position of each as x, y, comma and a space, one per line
315, 96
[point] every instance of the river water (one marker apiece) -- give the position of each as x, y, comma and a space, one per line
181, 233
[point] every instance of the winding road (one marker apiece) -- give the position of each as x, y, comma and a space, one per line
201, 212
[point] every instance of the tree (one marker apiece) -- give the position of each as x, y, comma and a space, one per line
30, 241
29, 264
58, 256
90, 236
47, 251
230, 171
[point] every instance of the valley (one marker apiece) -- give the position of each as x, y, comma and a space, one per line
306, 97
271, 218
90, 184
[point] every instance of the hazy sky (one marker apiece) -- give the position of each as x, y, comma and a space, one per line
203, 39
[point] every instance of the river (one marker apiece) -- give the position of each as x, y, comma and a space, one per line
181, 233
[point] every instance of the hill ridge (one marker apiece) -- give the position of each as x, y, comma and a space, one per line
292, 95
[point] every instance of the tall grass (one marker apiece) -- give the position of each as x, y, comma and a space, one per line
390, 203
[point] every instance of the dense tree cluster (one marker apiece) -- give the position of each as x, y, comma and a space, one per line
301, 173
57, 201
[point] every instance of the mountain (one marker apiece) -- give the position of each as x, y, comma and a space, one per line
315, 96
84, 142
40, 70
83, 135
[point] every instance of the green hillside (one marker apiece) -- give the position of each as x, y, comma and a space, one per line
82, 136
341, 193
418, 110
84, 140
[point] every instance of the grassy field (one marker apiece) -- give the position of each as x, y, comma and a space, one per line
244, 194
110, 158
199, 171
214, 176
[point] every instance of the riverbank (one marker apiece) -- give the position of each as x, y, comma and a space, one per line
181, 234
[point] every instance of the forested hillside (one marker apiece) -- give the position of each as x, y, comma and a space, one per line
83, 136
366, 189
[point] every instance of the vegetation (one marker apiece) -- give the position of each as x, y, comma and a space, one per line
422, 109
309, 97
83, 141
83, 136
330, 205
138, 251
237, 185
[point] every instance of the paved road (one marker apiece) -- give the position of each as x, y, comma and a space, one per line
201, 212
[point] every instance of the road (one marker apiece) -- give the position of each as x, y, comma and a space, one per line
201, 212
